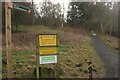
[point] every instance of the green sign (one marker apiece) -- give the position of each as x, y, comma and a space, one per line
48, 59
20, 7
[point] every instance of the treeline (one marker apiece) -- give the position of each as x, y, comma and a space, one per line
100, 17
50, 14
47, 14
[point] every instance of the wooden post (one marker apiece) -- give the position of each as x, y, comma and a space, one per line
32, 13
8, 7
37, 60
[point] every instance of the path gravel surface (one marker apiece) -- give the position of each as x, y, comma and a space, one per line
109, 58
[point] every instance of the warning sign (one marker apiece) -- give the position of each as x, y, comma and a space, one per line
47, 50
47, 40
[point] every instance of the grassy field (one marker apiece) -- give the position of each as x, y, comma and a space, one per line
74, 49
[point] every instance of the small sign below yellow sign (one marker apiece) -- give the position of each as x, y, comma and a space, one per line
47, 40
47, 50
48, 59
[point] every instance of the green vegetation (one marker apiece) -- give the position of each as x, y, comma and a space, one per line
23, 63
75, 48
111, 42
97, 16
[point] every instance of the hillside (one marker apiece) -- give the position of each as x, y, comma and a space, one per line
75, 47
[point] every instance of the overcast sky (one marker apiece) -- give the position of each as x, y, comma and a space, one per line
61, 2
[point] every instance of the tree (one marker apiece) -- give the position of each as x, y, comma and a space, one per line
81, 13
76, 14
20, 17
114, 20
92, 15
51, 14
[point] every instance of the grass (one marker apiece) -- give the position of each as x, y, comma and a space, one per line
111, 42
75, 47
22, 63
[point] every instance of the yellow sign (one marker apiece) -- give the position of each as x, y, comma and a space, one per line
47, 40
47, 50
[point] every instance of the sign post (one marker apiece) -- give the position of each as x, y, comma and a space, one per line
8, 7
20, 7
46, 50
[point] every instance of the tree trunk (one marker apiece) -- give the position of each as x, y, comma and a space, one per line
32, 14
110, 30
62, 24
110, 26
102, 27
16, 24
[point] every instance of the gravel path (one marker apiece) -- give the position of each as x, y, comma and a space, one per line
109, 58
